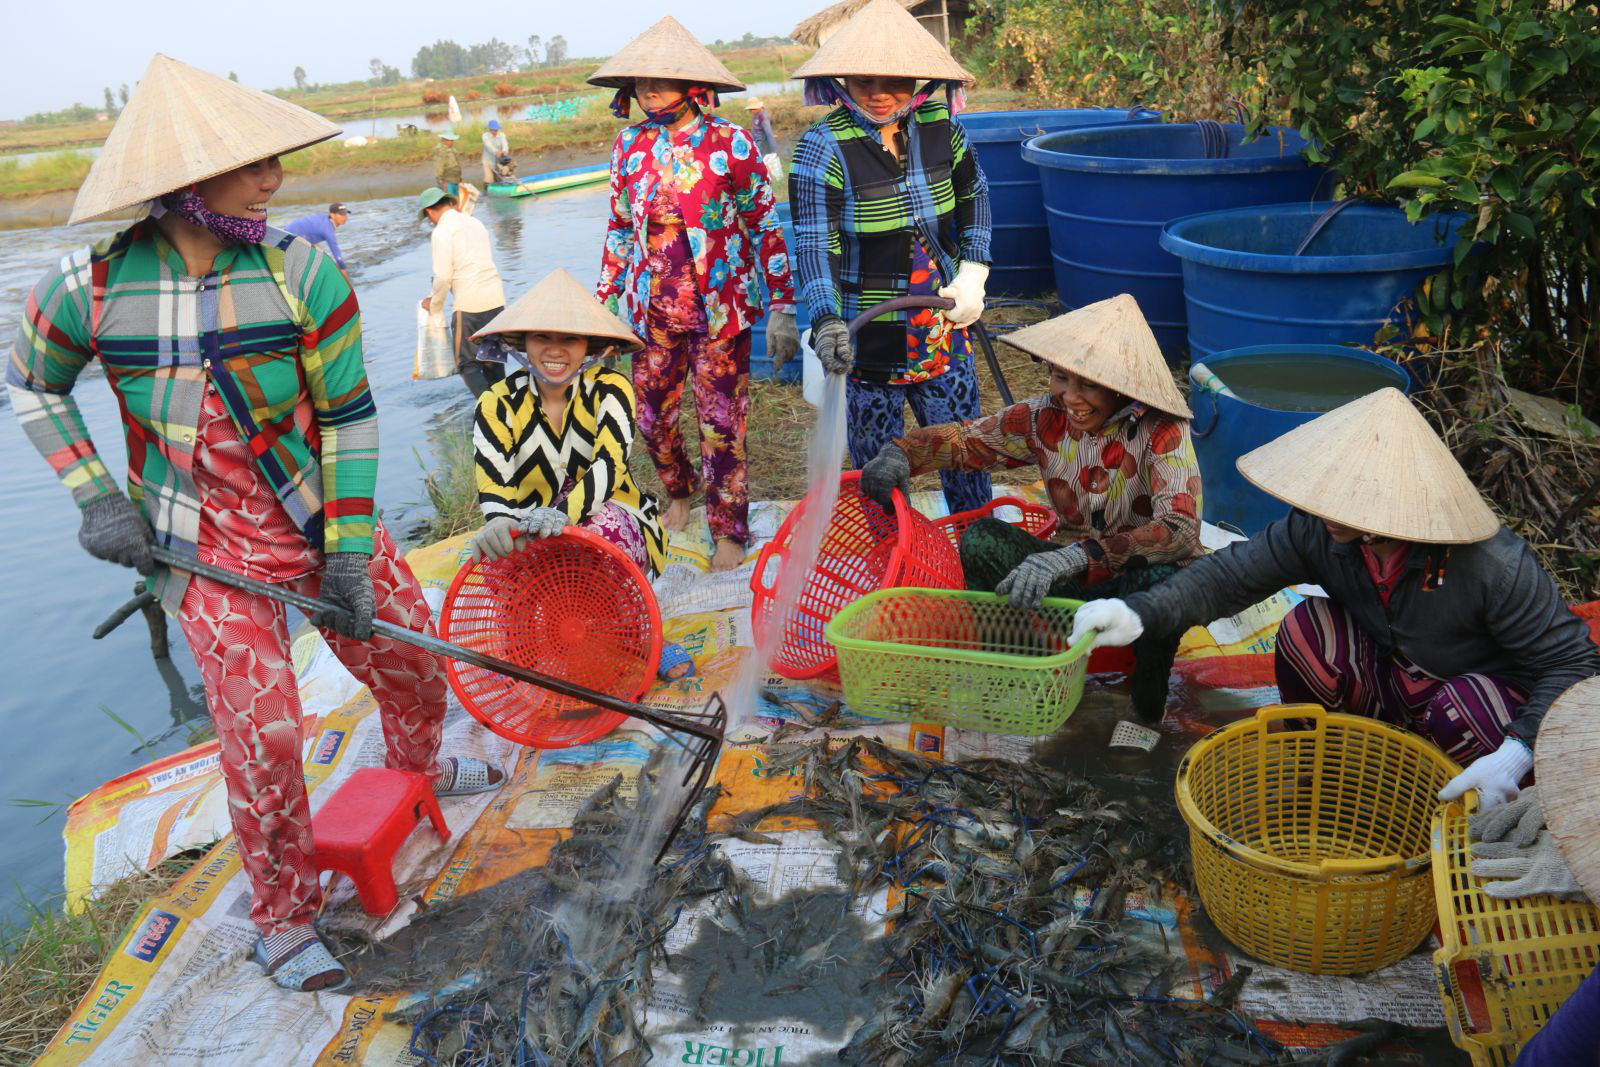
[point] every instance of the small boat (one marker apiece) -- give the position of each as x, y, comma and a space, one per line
552, 181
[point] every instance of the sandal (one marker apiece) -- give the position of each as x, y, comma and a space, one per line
311, 960
672, 657
468, 776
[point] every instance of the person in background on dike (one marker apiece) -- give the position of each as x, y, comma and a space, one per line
447, 165
234, 350
495, 149
1437, 619
888, 199
693, 234
552, 439
766, 139
323, 229
1111, 441
1546, 844
463, 265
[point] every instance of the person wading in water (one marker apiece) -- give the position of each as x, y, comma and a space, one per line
234, 350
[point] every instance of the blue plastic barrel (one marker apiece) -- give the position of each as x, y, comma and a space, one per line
1244, 286
1226, 427
760, 362
1021, 244
1108, 191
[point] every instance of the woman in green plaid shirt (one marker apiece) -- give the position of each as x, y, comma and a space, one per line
235, 353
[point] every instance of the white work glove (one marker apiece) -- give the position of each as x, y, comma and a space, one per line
1518, 822
1534, 870
494, 540
543, 522
967, 291
1495, 776
1117, 623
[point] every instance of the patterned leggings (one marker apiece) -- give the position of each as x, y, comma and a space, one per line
241, 642
1324, 658
877, 415
721, 371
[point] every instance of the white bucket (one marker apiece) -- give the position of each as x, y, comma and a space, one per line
811, 376
436, 357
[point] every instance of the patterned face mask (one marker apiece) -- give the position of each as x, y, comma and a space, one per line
826, 92
229, 229
695, 96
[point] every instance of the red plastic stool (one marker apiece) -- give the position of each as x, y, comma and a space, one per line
362, 826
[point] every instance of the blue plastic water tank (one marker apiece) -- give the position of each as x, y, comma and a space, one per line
1108, 192
760, 362
1021, 244
1243, 285
1226, 427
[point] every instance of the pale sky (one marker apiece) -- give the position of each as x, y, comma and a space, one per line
65, 51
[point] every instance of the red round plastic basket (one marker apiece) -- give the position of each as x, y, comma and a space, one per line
863, 550
1036, 519
571, 606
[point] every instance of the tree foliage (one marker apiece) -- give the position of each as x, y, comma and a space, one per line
1486, 107
300, 78
447, 59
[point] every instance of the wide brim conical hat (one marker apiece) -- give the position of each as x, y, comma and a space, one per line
883, 40
1109, 343
1374, 465
1566, 763
561, 303
183, 125
666, 50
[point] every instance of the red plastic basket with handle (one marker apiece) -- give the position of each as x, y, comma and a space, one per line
863, 550
1036, 519
573, 606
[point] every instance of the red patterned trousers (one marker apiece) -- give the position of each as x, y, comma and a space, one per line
241, 642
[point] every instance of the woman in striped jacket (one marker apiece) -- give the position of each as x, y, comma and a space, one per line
552, 439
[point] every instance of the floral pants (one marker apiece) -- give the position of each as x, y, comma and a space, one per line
721, 372
241, 643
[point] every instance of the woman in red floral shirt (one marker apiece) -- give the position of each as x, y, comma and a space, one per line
693, 224
1111, 440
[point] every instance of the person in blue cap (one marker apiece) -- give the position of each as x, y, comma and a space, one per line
496, 155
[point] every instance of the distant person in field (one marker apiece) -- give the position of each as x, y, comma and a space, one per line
447, 165
497, 164
323, 229
463, 267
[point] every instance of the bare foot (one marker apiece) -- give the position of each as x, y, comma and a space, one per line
729, 555
676, 516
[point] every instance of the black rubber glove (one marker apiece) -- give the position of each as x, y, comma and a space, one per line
113, 530
347, 586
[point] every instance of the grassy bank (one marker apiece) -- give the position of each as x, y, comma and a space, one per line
48, 965
356, 99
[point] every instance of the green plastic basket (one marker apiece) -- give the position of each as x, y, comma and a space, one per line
969, 660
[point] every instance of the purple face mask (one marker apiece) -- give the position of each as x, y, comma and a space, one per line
229, 229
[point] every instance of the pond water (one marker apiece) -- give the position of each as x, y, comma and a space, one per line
1303, 381
63, 688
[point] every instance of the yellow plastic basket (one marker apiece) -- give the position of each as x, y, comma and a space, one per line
1503, 966
1310, 835
964, 659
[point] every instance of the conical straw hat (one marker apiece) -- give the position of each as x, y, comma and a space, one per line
1567, 766
666, 50
183, 125
1374, 465
1109, 343
884, 40
560, 303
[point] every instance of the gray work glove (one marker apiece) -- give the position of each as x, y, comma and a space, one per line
1029, 581
1518, 822
494, 540
830, 339
889, 470
783, 338
113, 530
347, 586
1534, 870
543, 522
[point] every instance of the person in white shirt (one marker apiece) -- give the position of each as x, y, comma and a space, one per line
496, 154
463, 264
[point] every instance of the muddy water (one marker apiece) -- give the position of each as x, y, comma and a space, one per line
61, 742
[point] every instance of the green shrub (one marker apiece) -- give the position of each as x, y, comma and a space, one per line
1489, 108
